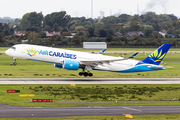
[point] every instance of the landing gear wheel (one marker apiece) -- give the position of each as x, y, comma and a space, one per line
80, 73
85, 74
14, 63
90, 74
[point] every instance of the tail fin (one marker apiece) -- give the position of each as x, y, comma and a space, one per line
157, 56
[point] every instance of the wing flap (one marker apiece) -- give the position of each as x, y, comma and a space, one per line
99, 62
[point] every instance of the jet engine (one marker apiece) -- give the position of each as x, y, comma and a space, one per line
70, 65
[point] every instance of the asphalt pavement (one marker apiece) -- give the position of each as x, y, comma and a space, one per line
7, 111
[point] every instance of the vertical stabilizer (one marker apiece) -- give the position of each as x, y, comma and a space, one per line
157, 56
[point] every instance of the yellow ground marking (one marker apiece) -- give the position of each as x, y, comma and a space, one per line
73, 85
26, 95
128, 116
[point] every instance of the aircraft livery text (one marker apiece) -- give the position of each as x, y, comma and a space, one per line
58, 54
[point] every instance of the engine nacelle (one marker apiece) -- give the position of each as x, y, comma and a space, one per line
58, 65
71, 65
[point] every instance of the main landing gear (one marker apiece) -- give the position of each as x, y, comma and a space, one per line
14, 62
85, 73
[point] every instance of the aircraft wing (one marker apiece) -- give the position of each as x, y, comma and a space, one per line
99, 62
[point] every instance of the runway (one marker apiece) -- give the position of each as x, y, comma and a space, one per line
89, 80
7, 111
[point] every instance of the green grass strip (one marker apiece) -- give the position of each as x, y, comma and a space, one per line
99, 104
86, 93
120, 117
108, 49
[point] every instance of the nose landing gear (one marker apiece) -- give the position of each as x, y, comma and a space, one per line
14, 61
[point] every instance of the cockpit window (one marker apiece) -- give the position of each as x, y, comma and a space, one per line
13, 48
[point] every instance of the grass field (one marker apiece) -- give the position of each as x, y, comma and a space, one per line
99, 104
120, 49
108, 49
85, 93
4, 48
120, 117
35, 69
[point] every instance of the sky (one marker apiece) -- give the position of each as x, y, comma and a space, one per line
79, 8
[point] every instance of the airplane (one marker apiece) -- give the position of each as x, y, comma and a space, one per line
73, 60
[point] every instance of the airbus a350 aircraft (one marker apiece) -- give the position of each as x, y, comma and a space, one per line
73, 60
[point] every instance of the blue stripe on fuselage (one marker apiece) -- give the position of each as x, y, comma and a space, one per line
138, 68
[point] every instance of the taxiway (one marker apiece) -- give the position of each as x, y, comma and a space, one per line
7, 111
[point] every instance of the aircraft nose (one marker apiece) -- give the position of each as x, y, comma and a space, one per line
7, 52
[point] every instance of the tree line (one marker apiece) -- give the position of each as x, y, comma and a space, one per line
87, 29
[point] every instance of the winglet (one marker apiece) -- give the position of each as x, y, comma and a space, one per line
157, 56
102, 51
132, 56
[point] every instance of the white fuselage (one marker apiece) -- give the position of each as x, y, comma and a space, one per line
53, 55
61, 56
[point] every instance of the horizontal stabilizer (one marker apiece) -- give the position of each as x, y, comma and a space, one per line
132, 56
159, 67
156, 67
102, 51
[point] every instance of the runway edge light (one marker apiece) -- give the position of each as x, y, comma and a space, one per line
128, 116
